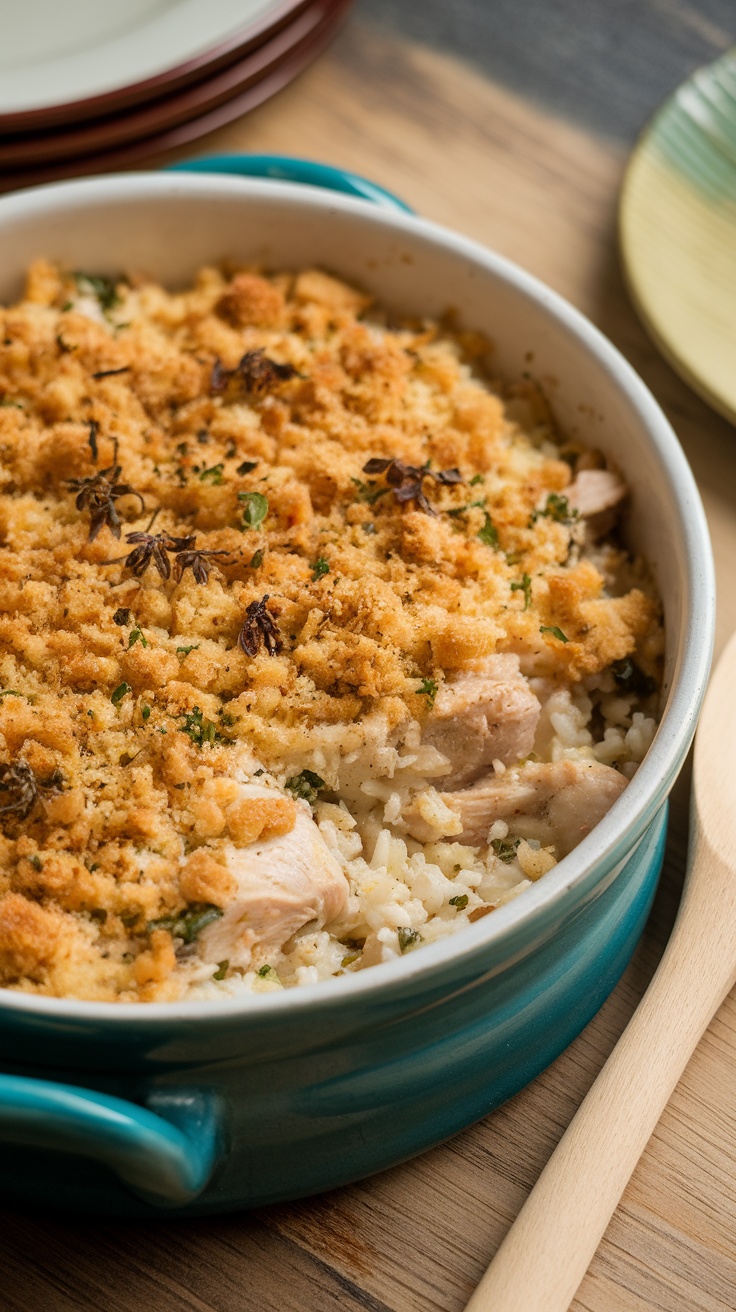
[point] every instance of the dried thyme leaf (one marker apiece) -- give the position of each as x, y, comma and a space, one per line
461, 901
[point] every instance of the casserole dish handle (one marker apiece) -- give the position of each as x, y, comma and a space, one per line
164, 1163
287, 168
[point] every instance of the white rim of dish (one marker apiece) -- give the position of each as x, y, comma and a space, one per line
157, 40
646, 792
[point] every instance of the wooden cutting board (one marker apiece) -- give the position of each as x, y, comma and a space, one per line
487, 162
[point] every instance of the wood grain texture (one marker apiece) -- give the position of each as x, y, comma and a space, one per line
551, 1243
416, 1239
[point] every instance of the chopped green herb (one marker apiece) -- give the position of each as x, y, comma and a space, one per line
190, 923
137, 635
556, 508
255, 508
349, 959
477, 478
524, 586
183, 652
246, 467
268, 972
199, 728
369, 492
630, 678
513, 557
10, 692
306, 785
222, 970
429, 690
212, 475
256, 560
36, 861
104, 289
460, 510
505, 848
118, 693
320, 568
489, 532
145, 712
408, 938
554, 630
461, 901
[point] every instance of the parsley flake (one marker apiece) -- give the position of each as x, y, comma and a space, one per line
320, 568
554, 630
200, 729
505, 848
489, 532
137, 635
408, 938
305, 785
524, 586
212, 475
118, 693
461, 901
255, 508
428, 689
183, 652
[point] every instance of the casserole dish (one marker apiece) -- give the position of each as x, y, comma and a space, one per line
205, 1106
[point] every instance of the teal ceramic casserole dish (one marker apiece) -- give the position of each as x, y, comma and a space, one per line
185, 1108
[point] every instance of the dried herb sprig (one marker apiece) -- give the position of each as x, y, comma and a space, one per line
407, 481
255, 372
153, 549
200, 562
98, 494
20, 788
259, 629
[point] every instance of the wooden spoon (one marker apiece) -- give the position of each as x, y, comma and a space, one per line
549, 1247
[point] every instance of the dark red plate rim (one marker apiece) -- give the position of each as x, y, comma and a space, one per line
123, 156
29, 151
237, 45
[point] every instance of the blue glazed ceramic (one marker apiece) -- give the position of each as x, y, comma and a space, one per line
185, 1108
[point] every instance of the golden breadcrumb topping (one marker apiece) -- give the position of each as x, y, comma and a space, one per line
235, 522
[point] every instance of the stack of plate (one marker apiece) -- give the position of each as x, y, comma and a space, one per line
88, 86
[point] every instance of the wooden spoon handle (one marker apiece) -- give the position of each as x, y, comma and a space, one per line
549, 1247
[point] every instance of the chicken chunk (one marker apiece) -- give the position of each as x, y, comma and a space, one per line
283, 883
555, 802
481, 716
595, 491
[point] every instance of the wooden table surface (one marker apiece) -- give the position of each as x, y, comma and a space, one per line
510, 123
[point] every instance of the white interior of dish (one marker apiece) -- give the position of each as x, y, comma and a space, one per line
169, 225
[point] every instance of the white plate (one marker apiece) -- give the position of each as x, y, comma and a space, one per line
55, 52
